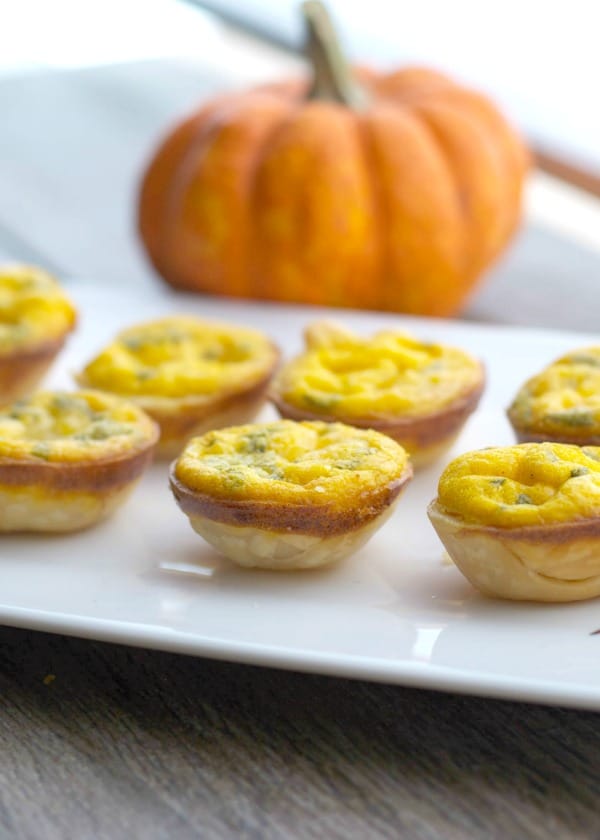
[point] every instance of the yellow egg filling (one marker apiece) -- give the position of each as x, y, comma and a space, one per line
62, 426
33, 309
291, 463
180, 356
527, 484
562, 399
388, 375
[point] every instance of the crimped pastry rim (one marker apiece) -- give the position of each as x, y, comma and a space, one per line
526, 434
311, 519
555, 563
85, 474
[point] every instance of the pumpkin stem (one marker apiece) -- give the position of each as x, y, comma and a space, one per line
332, 79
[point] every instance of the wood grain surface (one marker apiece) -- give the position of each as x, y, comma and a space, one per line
113, 742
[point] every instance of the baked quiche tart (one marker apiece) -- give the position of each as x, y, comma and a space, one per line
35, 318
523, 522
418, 393
68, 460
562, 403
289, 495
189, 375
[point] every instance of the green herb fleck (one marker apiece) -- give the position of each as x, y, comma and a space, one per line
62, 402
348, 464
320, 402
133, 342
233, 478
103, 429
255, 442
497, 482
576, 418
583, 359
41, 450
523, 499
274, 473
577, 471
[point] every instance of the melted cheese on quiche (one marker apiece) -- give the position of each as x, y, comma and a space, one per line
61, 426
291, 463
33, 308
181, 356
562, 399
527, 484
390, 374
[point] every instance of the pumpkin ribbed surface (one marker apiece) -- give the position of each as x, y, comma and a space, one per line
399, 206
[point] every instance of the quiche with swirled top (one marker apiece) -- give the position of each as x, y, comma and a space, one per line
189, 375
562, 402
416, 392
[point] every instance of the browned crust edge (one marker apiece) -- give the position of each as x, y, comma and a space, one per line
424, 431
36, 353
559, 533
93, 476
20, 371
179, 423
318, 520
525, 436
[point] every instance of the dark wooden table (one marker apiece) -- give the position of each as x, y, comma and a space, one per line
102, 741
107, 741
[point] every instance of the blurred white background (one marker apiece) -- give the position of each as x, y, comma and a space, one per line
540, 60
87, 87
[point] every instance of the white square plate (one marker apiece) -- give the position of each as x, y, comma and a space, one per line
394, 612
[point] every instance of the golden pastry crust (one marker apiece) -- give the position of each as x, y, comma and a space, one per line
419, 394
289, 495
523, 522
35, 319
562, 402
68, 460
189, 375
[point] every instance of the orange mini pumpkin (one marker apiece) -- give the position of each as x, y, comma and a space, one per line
393, 193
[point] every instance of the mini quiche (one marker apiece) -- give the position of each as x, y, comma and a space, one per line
189, 375
35, 319
418, 393
562, 403
523, 522
68, 460
289, 495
